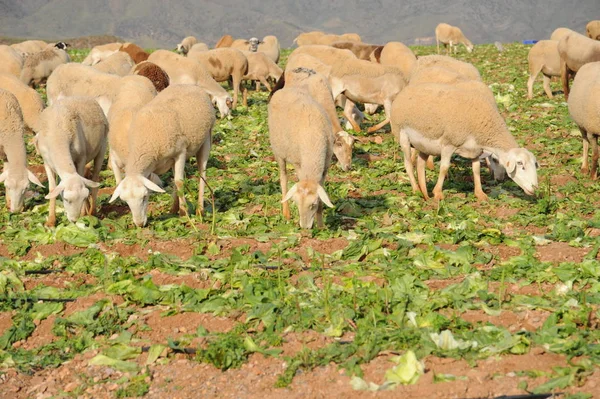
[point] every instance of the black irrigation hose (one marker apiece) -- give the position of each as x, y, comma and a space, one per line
40, 299
42, 271
530, 396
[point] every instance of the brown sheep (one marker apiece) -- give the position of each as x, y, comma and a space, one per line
156, 74
136, 53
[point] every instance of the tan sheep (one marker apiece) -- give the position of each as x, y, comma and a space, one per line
362, 51
464, 68
186, 44
136, 53
543, 57
584, 106
575, 51
157, 75
593, 30
322, 38
119, 63
198, 48
260, 68
30, 46
559, 33
38, 66
224, 41
307, 38
270, 46
450, 36
30, 101
98, 53
395, 54
10, 61
300, 133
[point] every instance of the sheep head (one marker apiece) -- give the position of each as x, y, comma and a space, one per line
342, 148
16, 186
74, 190
135, 190
253, 44
224, 104
307, 195
521, 166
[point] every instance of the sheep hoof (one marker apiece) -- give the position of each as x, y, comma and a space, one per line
438, 195
50, 222
482, 197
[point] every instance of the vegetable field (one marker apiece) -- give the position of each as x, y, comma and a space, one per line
406, 297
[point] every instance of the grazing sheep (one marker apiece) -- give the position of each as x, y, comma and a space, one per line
136, 53
186, 44
174, 126
30, 101
575, 51
260, 68
30, 46
224, 41
593, 30
15, 176
10, 61
156, 74
450, 36
307, 38
198, 48
316, 37
222, 64
362, 51
559, 33
270, 46
98, 53
436, 74
72, 132
246, 45
38, 67
119, 63
462, 121
461, 67
584, 108
395, 54
183, 70
300, 133
543, 57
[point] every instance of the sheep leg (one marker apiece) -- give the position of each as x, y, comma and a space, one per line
98, 161
387, 106
594, 170
179, 203
236, 88
437, 40
116, 170
444, 166
408, 165
585, 167
421, 160
51, 222
547, 88
532, 75
82, 168
283, 181
244, 95
379, 125
476, 164
348, 107
430, 164
264, 82
564, 77
202, 161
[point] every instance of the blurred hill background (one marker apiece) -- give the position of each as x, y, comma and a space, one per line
163, 23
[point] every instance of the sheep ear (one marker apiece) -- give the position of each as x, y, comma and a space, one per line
290, 193
90, 183
116, 193
33, 178
150, 185
56, 192
324, 197
3, 175
510, 165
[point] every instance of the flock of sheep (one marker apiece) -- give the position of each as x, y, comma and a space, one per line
154, 111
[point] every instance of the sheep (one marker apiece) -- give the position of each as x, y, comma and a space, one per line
15, 176
593, 30
437, 74
260, 68
246, 45
10, 61
224, 41
584, 106
73, 131
182, 70
270, 46
450, 36
464, 68
81, 80
559, 33
186, 44
119, 63
98, 53
30, 101
457, 119
362, 51
223, 63
37, 67
198, 48
29, 46
307, 38
316, 37
395, 54
174, 126
575, 51
156, 74
136, 53
543, 57
299, 132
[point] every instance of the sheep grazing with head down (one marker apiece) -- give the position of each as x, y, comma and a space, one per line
164, 133
270, 46
73, 132
10, 61
450, 36
15, 176
261, 68
98, 53
395, 54
543, 57
186, 44
119, 63
592, 29
156, 74
38, 66
29, 46
300, 133
29, 99
198, 48
362, 51
575, 51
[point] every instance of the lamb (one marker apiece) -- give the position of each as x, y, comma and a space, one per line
73, 132
30, 101
136, 53
223, 63
395, 54
198, 48
29, 46
575, 51
186, 44
16, 176
270, 46
156, 74
362, 51
559, 33
174, 126
119, 63
461, 67
450, 36
299, 132
38, 67
98, 53
584, 103
459, 120
10, 61
260, 68
543, 57
182, 70
593, 30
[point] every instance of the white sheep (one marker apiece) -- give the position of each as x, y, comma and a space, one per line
198, 48
186, 44
174, 126
543, 57
119, 63
15, 176
575, 51
299, 132
270, 46
30, 101
38, 66
260, 68
584, 108
450, 36
98, 53
10, 61
440, 119
395, 54
592, 29
559, 33
29, 46
182, 70
72, 132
